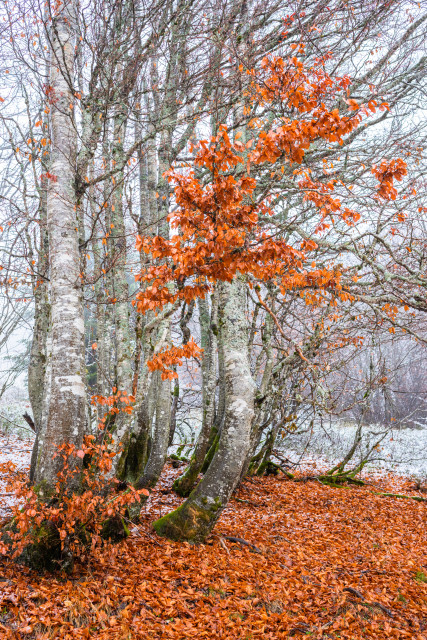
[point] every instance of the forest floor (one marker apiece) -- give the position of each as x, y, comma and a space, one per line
312, 562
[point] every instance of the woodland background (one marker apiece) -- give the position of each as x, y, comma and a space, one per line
213, 270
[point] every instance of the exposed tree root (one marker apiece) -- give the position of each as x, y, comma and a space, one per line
243, 542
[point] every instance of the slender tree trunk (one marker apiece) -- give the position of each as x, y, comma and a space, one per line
220, 409
105, 319
122, 424
263, 406
208, 325
38, 354
135, 456
100, 317
160, 439
121, 289
37, 365
65, 420
196, 517
174, 409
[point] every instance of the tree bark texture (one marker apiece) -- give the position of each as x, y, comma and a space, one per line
65, 419
194, 519
208, 326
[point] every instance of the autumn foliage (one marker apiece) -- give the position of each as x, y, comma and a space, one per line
243, 163
319, 562
221, 222
85, 507
72, 523
116, 402
163, 360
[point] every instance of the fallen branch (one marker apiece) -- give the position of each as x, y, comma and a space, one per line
399, 495
336, 480
364, 602
249, 502
302, 628
243, 542
355, 592
279, 467
383, 608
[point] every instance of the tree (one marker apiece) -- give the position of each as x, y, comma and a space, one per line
221, 239
66, 397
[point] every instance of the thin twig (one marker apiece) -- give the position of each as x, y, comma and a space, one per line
223, 545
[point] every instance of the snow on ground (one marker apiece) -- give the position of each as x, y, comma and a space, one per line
403, 451
402, 454
17, 450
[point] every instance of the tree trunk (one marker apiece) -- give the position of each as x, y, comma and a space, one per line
264, 403
196, 517
184, 484
135, 456
38, 354
65, 420
174, 409
160, 440
122, 424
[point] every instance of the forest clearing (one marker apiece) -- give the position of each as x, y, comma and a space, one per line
213, 297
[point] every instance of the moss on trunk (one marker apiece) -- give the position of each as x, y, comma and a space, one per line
134, 458
184, 485
115, 529
210, 454
339, 480
189, 522
44, 553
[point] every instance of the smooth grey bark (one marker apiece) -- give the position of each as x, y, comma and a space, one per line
160, 438
38, 356
65, 419
121, 289
38, 353
37, 364
208, 327
263, 405
195, 518
220, 408
134, 458
123, 346
174, 409
161, 431
100, 312
105, 311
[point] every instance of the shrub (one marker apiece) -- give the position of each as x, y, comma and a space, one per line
86, 508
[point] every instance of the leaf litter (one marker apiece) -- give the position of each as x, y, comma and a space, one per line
286, 560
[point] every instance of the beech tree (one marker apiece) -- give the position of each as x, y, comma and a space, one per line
65, 392
221, 239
